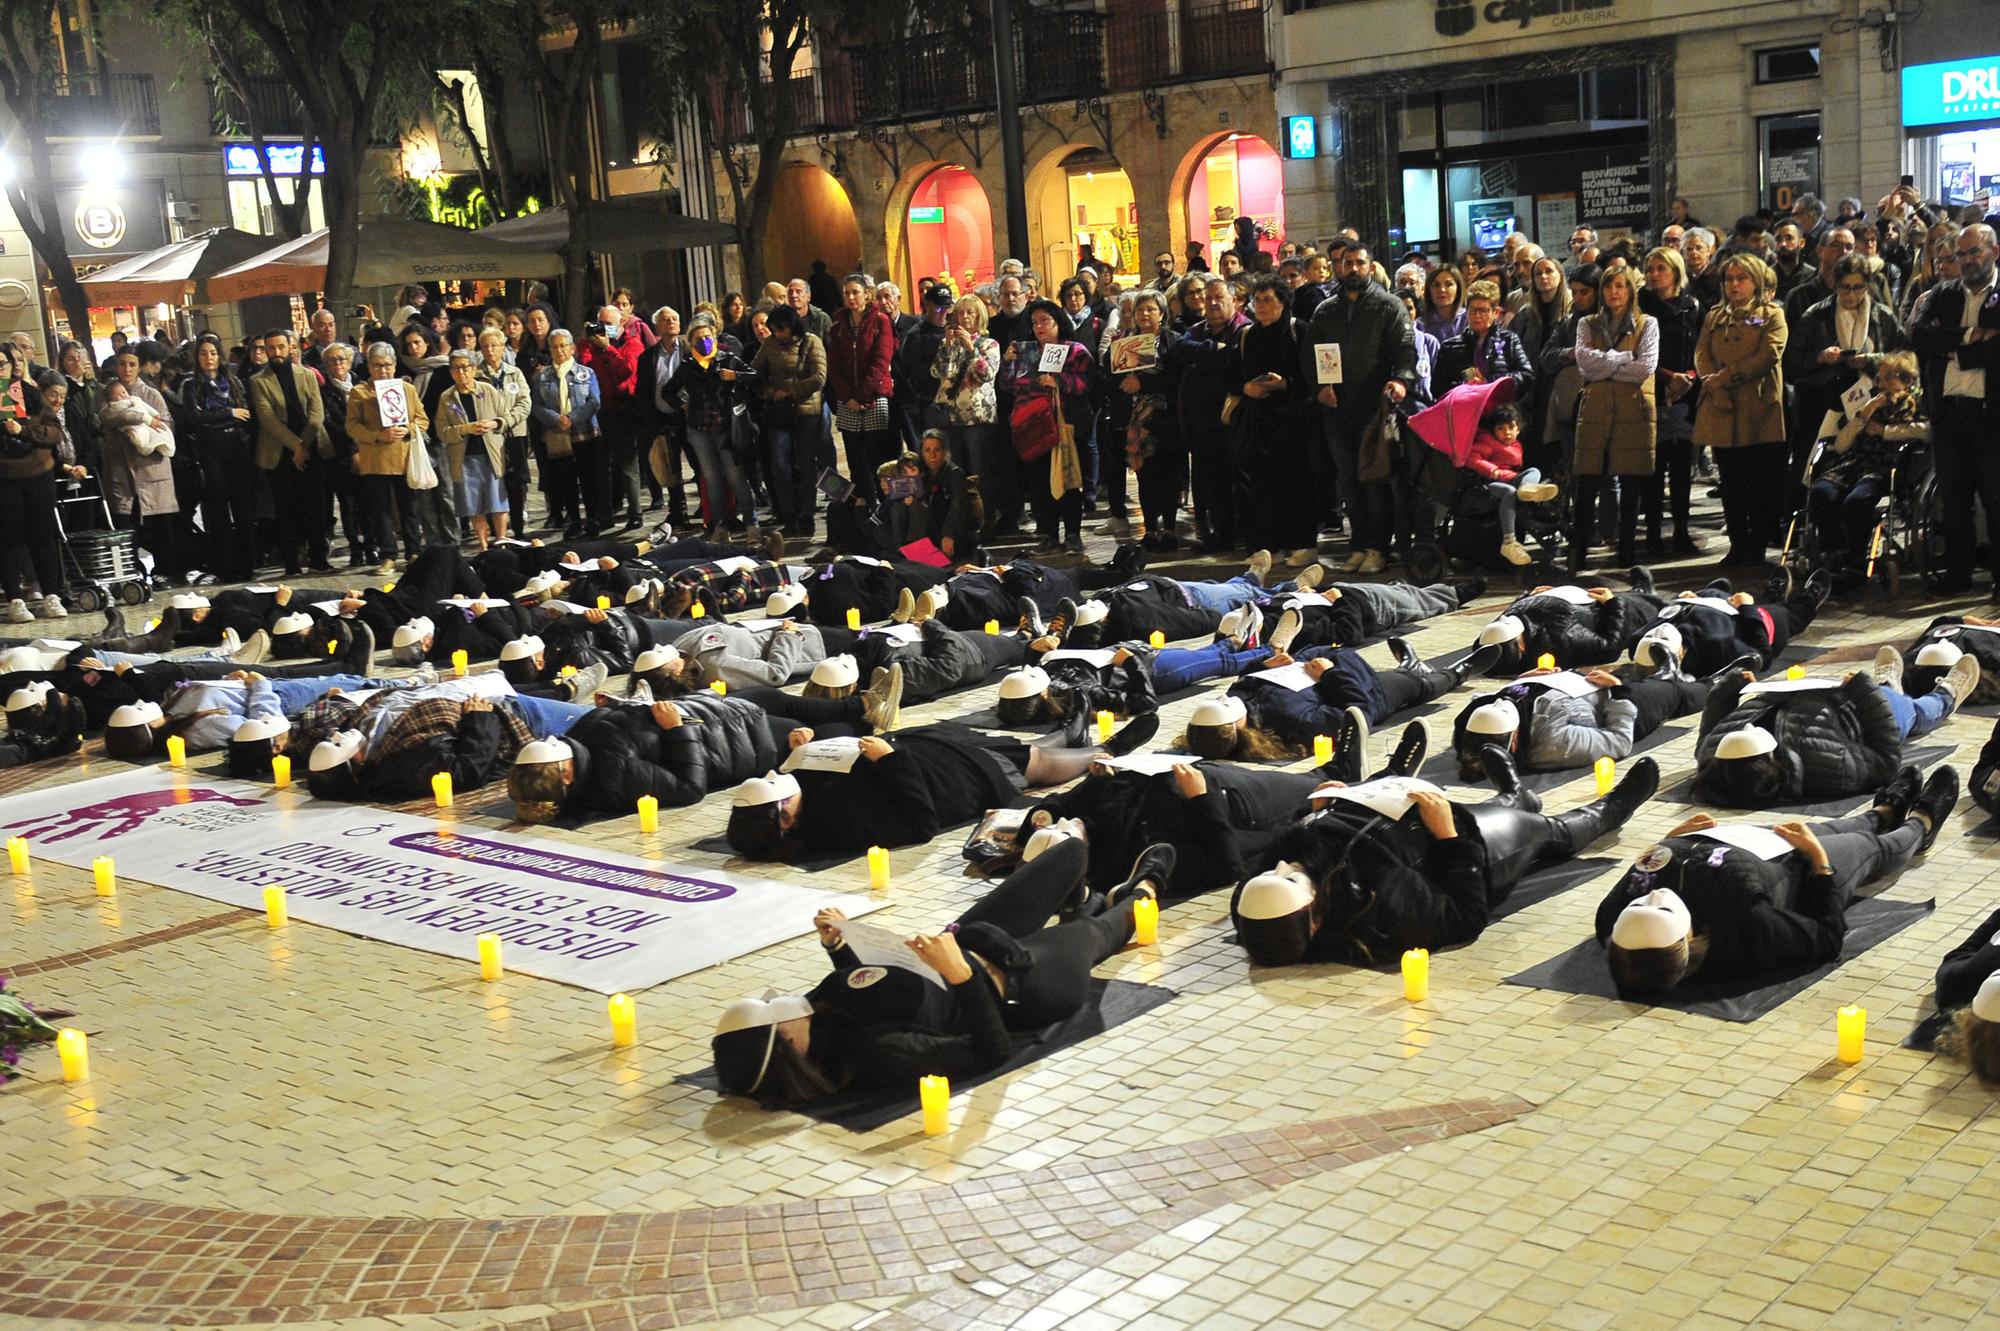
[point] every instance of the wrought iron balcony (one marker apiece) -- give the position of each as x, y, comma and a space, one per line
89, 106
1057, 57
1184, 46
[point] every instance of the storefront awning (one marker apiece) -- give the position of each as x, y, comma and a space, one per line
617, 226
164, 274
392, 250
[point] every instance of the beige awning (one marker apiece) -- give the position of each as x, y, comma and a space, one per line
392, 251
165, 274
617, 226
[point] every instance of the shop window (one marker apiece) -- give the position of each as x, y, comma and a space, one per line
1530, 103
1619, 94
1788, 64
1788, 158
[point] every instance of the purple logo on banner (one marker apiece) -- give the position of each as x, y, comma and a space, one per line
543, 863
126, 813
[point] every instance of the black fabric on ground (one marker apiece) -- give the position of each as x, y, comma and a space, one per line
1925, 1036
1550, 881
1922, 756
796, 855
1113, 1003
1795, 653
1442, 768
1582, 970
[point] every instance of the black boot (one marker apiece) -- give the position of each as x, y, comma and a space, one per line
1641, 577
1747, 661
1894, 801
1406, 655
1478, 663
1133, 735
1580, 827
1076, 729
360, 651
1152, 869
1934, 805
114, 622
1468, 589
1409, 753
161, 639
1506, 779
1350, 748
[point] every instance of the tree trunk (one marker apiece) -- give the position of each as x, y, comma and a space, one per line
499, 143
342, 183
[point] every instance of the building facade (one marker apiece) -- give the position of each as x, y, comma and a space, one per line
1442, 124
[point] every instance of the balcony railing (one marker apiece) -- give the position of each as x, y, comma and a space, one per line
1057, 57
88, 106
279, 114
822, 100
1183, 46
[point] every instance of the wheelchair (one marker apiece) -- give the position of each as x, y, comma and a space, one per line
1906, 541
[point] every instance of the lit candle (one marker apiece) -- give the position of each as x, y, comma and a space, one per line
177, 751
1795, 672
73, 1048
1546, 661
388, 586
624, 1019
1417, 974
603, 603
853, 617
276, 916
281, 771
106, 874
441, 789
1105, 722
1145, 921
1156, 639
697, 610
17, 854
1851, 1031
649, 814
459, 662
332, 646
567, 672
935, 1092
993, 627
720, 686
1322, 749
1606, 770
489, 957
878, 867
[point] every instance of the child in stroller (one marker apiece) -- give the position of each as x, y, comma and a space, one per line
1496, 458
1473, 468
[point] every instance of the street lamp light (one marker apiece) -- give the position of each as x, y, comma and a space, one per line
102, 163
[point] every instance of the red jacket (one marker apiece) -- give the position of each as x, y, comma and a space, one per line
857, 359
1492, 459
617, 369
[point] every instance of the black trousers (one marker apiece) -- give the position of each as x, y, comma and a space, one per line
1660, 701
1671, 488
28, 545
592, 459
1213, 463
1403, 688
1966, 438
1058, 984
1753, 497
827, 718
299, 491
229, 506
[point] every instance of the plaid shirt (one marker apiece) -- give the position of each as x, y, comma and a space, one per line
730, 591
435, 718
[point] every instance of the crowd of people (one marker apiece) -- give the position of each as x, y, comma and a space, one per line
900, 448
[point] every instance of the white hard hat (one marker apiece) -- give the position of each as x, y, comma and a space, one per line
260, 727
748, 1013
1504, 629
638, 590
1656, 638
332, 752
785, 600
542, 582
836, 672
1986, 1003
414, 632
1091, 612
19, 659
187, 601
1937, 652
1749, 742
296, 622
521, 649
135, 714
538, 751
1498, 717
29, 695
767, 789
1224, 711
1027, 682
655, 657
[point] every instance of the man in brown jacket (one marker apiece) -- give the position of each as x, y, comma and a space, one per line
292, 445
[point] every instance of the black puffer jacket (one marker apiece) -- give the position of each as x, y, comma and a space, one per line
621, 754
614, 643
1831, 742
1981, 643
1075, 685
1596, 633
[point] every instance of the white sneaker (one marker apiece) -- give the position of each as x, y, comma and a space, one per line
1516, 554
18, 612
1302, 556
1118, 528
1288, 628
1235, 625
931, 603
1889, 667
253, 651
1310, 576
1961, 680
1537, 492
1373, 562
52, 607
1354, 562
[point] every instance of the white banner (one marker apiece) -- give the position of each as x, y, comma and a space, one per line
591, 918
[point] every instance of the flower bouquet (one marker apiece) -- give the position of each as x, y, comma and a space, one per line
20, 1024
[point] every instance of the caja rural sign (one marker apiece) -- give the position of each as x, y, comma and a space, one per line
1456, 18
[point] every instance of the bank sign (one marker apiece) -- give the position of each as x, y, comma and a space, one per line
1951, 93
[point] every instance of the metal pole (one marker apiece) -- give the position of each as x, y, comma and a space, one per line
1010, 128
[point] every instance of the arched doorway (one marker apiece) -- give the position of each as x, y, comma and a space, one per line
811, 218
1224, 177
948, 228
1081, 208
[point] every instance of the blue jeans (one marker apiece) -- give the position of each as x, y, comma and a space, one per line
295, 694
1222, 597
545, 717
1845, 519
720, 468
137, 659
1918, 716
1177, 668
1505, 497
794, 443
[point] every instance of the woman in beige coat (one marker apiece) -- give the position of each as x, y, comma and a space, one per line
1739, 361
381, 453
1617, 350
472, 423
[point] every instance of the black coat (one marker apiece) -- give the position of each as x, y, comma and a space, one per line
1831, 743
1969, 965
1582, 635
1759, 916
935, 777
1937, 336
621, 754
1506, 359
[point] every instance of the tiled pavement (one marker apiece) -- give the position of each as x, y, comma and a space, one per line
258, 1096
